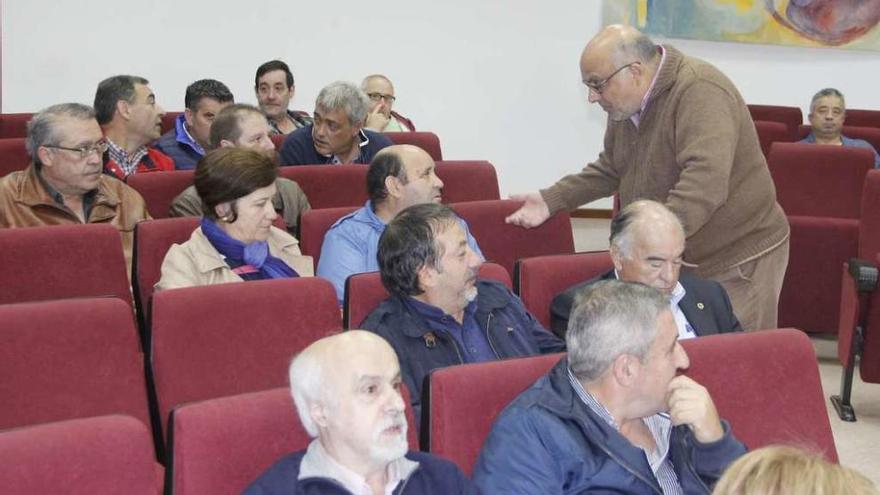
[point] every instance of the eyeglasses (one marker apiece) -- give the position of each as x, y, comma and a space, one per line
599, 86
380, 96
100, 147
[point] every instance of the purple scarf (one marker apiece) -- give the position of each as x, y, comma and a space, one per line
255, 254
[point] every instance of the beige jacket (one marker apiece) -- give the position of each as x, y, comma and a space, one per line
197, 262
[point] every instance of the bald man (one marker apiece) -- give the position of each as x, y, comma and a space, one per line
399, 176
346, 389
679, 133
382, 117
647, 244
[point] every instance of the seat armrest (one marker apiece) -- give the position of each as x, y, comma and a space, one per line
864, 274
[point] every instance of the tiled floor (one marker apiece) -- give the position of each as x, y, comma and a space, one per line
858, 443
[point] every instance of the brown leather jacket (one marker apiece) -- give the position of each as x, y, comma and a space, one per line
25, 202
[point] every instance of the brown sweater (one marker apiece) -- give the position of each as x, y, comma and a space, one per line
697, 151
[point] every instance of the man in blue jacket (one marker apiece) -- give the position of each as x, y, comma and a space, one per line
612, 417
439, 314
346, 388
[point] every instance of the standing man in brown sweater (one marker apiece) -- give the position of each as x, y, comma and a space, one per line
679, 133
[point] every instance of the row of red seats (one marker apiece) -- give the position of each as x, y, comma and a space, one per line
13, 155
793, 117
218, 446
770, 132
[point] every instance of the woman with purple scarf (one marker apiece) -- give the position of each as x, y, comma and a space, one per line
236, 240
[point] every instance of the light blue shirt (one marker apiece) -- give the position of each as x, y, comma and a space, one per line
352, 245
855, 143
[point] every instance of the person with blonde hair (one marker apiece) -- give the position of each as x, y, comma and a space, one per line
783, 470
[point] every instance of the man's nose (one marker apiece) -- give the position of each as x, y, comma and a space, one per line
593, 96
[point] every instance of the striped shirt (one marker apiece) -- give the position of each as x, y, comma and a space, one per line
660, 427
128, 163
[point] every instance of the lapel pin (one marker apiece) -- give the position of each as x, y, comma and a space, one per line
701, 305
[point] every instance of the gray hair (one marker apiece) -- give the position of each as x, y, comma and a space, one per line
638, 48
609, 319
634, 215
827, 92
306, 375
41, 130
346, 96
110, 91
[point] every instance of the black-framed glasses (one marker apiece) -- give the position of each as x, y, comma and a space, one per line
599, 86
380, 96
84, 151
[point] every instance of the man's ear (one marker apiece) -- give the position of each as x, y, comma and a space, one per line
319, 414
616, 257
123, 108
188, 116
625, 368
393, 186
427, 276
45, 156
225, 143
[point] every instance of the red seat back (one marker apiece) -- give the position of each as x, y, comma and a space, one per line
14, 125
69, 359
792, 117
427, 141
330, 186
504, 243
820, 181
107, 454
152, 239
869, 134
766, 384
159, 189
168, 121
470, 180
209, 455
770, 132
226, 339
540, 279
862, 118
313, 226
464, 400
13, 155
62, 261
364, 292
869, 230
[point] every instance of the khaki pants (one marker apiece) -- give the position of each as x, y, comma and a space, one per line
754, 288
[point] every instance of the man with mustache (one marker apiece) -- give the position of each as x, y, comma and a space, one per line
827, 116
346, 388
613, 416
274, 87
64, 184
399, 176
439, 313
127, 112
337, 136
245, 126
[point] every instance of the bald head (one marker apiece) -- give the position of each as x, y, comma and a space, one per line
647, 245
400, 176
618, 44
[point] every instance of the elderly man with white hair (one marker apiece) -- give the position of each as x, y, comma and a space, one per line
346, 388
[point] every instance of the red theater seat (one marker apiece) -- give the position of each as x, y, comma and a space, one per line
754, 378
504, 243
14, 125
364, 292
13, 155
862, 118
792, 117
770, 132
540, 279
869, 134
107, 454
227, 339
427, 141
468, 181
159, 189
62, 261
220, 446
330, 186
820, 189
169, 121
313, 226
69, 359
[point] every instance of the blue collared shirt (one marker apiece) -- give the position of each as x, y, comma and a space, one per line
352, 245
855, 143
472, 343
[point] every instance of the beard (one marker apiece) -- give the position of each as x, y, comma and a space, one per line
388, 447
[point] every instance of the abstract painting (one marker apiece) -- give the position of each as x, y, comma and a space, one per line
830, 23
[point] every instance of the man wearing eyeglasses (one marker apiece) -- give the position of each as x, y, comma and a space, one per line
679, 133
64, 184
381, 117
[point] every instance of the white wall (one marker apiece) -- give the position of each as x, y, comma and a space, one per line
496, 80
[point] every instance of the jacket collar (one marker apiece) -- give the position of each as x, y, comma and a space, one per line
32, 193
667, 72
